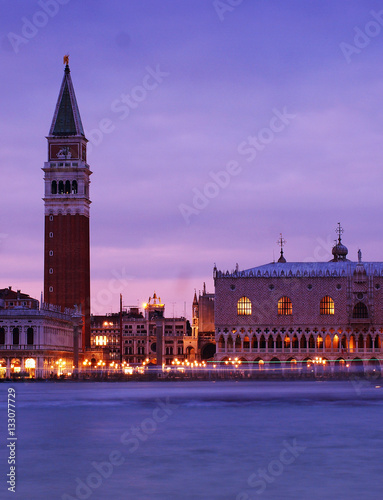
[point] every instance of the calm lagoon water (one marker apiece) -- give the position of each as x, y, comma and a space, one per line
196, 440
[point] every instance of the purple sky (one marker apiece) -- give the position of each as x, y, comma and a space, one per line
226, 75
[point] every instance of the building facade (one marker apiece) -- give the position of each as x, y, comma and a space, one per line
200, 344
36, 341
142, 330
295, 315
66, 205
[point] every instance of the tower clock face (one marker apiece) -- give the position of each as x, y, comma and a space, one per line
64, 152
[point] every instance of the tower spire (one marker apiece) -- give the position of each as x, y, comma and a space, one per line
66, 119
281, 242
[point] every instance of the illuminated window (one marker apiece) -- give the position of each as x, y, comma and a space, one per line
285, 306
327, 305
244, 306
101, 340
360, 311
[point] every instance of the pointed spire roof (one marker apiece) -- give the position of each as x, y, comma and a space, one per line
66, 120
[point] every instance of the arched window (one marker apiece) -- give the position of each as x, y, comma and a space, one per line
254, 342
295, 342
30, 336
285, 306
360, 342
221, 342
286, 342
54, 187
67, 187
15, 336
61, 187
311, 342
270, 343
244, 306
74, 187
2, 336
303, 342
262, 342
360, 311
246, 342
327, 305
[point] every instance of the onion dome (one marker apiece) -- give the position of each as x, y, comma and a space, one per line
339, 250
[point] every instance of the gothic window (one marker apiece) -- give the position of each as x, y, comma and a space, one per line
286, 342
2, 336
327, 305
15, 336
270, 343
67, 187
74, 187
279, 342
244, 306
61, 187
285, 306
54, 187
360, 311
311, 342
30, 336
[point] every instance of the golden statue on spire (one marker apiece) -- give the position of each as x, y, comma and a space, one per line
66, 59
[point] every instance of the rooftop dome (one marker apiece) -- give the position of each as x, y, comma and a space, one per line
339, 251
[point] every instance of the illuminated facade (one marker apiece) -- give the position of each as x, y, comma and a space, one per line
35, 341
300, 315
139, 334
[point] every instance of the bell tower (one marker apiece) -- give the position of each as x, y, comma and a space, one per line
66, 206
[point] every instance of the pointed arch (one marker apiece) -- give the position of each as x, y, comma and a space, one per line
303, 342
270, 343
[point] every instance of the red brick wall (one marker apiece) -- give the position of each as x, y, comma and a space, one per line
70, 263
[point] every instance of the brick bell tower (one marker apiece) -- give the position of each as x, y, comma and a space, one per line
67, 204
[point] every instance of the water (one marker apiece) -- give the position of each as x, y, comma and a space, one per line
197, 440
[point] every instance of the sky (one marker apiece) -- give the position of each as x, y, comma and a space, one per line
213, 127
